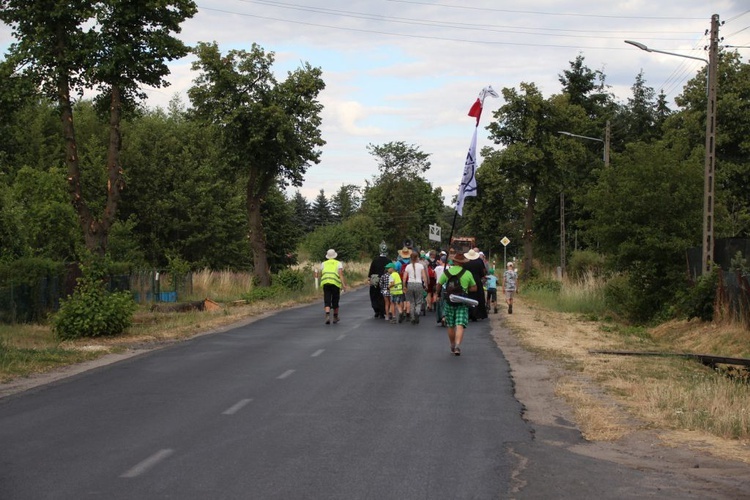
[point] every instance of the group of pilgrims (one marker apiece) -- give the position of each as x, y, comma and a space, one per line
407, 286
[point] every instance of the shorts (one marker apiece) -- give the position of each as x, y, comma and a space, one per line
455, 314
492, 294
509, 294
397, 299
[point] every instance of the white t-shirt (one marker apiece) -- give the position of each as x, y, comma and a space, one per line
439, 270
414, 272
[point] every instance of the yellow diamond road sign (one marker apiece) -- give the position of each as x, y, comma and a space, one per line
505, 241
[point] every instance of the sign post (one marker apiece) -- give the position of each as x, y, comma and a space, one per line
505, 242
435, 233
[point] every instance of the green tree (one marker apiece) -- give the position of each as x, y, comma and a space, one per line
302, 212
270, 130
400, 200
345, 202
645, 214
321, 210
74, 45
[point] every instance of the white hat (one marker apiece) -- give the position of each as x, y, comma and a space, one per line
471, 255
331, 254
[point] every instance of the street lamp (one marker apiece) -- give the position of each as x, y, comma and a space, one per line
709, 170
604, 141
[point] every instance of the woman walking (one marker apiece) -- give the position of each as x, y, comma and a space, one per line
415, 286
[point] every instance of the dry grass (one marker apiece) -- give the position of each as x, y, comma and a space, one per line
614, 395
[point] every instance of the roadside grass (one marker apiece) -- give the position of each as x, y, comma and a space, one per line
669, 393
26, 349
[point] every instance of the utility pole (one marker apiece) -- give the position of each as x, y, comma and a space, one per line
607, 135
710, 166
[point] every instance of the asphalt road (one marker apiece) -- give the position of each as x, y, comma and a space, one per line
285, 407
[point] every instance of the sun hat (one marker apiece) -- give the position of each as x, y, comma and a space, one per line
460, 258
331, 254
471, 255
405, 253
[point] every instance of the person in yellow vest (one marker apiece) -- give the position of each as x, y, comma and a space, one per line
396, 288
332, 281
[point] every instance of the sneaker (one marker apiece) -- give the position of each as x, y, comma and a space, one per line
335, 319
393, 321
328, 319
510, 309
401, 317
457, 351
453, 349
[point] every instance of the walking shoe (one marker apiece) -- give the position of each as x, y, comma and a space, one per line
328, 319
393, 321
453, 349
457, 351
510, 309
401, 317
495, 309
335, 318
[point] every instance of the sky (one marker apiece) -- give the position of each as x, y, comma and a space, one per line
402, 70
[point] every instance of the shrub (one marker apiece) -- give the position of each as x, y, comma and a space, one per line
289, 279
584, 263
698, 301
543, 285
92, 311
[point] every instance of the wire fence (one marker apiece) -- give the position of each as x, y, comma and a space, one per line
33, 303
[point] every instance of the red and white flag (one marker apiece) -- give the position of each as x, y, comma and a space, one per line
476, 108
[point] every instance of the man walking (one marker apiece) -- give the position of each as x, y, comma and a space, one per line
332, 280
456, 281
377, 269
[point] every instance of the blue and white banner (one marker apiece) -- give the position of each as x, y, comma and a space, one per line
468, 185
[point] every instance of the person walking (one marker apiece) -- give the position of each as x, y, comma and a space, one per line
396, 288
456, 280
475, 266
377, 269
404, 258
332, 281
439, 270
510, 285
415, 288
491, 282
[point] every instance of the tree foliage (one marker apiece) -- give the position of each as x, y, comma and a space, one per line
270, 130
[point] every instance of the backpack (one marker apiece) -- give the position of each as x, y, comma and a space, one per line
453, 285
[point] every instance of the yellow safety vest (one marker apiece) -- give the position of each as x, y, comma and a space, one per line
398, 286
330, 275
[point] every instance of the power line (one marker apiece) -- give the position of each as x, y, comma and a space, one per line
542, 13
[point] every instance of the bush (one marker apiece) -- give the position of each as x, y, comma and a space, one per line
698, 301
543, 285
586, 262
92, 311
289, 279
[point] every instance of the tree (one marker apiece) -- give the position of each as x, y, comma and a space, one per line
302, 212
400, 201
114, 47
321, 211
345, 202
270, 130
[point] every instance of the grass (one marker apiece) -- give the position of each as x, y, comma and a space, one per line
26, 349
661, 392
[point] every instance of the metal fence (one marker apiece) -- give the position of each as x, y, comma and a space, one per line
30, 303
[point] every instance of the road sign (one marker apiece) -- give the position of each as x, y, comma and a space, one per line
505, 241
435, 232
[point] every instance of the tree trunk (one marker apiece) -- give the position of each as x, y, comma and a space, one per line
256, 235
528, 231
95, 232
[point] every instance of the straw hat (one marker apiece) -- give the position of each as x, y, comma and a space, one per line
460, 258
405, 253
331, 254
471, 255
